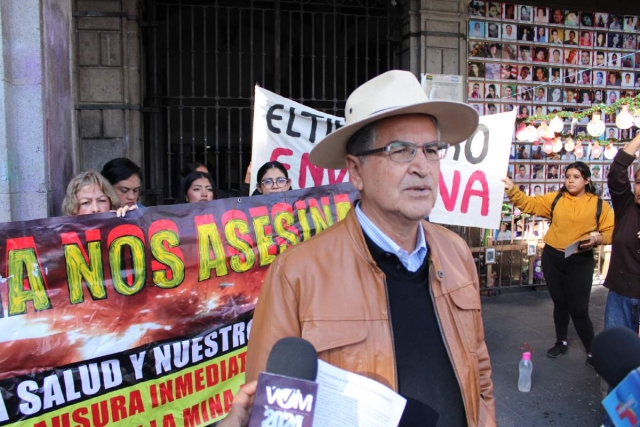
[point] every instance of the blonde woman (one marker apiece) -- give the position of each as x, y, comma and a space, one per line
89, 193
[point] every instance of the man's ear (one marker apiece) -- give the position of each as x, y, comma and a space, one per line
354, 165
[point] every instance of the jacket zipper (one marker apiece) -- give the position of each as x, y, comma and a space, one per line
446, 344
393, 346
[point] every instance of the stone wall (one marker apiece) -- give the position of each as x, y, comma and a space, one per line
108, 82
443, 41
23, 167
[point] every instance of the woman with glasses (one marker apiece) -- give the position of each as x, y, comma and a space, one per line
272, 178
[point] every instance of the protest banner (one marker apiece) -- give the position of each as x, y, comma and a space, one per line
287, 131
470, 187
143, 320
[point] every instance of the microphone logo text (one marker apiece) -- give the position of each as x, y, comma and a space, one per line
281, 419
288, 398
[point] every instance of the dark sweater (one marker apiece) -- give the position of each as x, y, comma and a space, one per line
623, 277
425, 374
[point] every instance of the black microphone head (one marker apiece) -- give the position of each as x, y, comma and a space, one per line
616, 352
293, 357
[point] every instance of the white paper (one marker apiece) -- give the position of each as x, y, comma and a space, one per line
350, 400
443, 87
571, 249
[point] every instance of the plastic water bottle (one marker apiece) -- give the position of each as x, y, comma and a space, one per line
525, 368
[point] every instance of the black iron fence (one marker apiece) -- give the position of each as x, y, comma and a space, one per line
203, 57
513, 260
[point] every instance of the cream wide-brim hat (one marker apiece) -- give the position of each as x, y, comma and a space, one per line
391, 94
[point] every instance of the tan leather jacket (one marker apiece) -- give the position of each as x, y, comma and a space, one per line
330, 292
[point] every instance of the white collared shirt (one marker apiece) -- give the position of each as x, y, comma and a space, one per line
411, 261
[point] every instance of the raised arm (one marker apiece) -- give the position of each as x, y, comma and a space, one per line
538, 205
622, 197
633, 146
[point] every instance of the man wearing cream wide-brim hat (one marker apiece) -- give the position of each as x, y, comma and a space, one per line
384, 293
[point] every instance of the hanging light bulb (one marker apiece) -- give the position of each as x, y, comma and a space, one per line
579, 150
596, 151
569, 145
532, 133
547, 147
550, 134
542, 130
610, 151
596, 125
556, 124
521, 132
557, 145
624, 119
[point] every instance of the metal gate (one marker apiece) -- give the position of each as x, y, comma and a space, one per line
516, 261
202, 59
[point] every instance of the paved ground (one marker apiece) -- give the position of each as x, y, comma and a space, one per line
565, 391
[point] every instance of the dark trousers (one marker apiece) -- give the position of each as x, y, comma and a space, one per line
569, 281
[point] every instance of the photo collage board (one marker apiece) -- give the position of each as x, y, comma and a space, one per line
541, 60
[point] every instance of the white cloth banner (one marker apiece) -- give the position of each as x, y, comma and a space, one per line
470, 188
287, 131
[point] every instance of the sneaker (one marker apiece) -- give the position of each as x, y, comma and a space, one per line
557, 350
590, 361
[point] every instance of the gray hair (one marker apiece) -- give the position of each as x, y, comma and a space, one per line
362, 140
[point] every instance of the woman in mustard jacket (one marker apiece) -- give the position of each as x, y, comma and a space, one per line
578, 215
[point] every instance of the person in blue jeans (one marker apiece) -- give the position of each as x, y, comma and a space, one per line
623, 279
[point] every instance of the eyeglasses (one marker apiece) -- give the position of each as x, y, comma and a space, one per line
278, 182
403, 152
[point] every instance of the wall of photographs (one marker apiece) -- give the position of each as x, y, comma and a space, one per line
542, 60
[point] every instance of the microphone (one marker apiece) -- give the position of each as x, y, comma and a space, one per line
286, 393
616, 358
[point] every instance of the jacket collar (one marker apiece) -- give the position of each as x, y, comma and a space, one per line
432, 236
